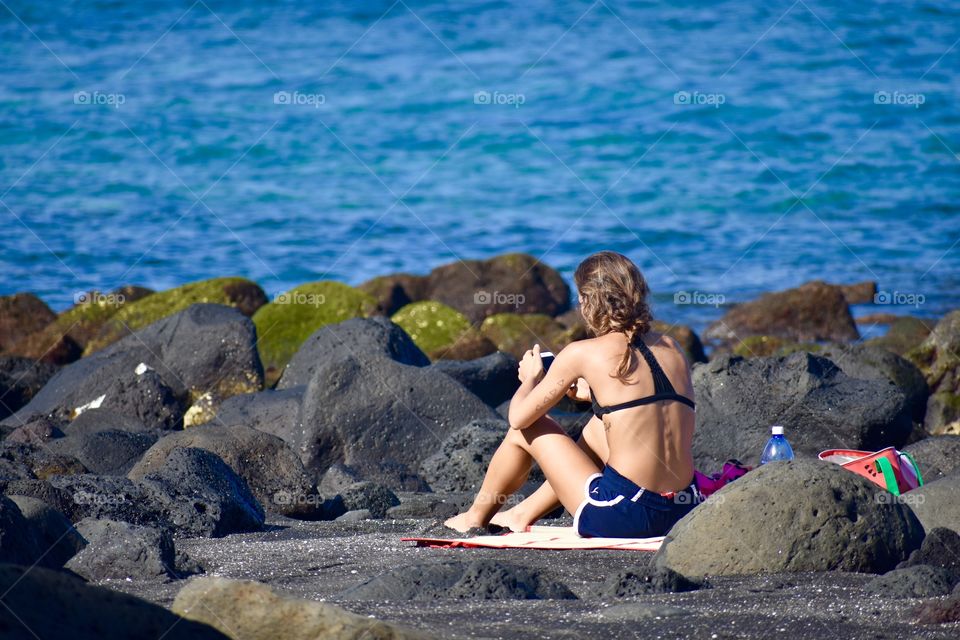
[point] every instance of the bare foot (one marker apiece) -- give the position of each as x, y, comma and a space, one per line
463, 522
511, 520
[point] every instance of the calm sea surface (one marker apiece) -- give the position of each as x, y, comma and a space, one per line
729, 147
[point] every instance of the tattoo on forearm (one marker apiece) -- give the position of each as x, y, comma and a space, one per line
560, 386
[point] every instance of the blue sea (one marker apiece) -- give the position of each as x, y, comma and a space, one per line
729, 147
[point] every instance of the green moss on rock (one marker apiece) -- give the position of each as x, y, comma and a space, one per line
760, 346
515, 333
441, 331
241, 293
286, 322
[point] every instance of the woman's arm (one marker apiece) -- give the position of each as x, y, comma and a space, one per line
536, 396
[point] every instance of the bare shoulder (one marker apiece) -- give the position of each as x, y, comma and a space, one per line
670, 347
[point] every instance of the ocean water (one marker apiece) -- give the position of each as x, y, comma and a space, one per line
730, 147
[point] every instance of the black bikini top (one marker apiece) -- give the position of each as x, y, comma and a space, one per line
662, 387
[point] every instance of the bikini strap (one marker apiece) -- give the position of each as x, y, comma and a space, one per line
661, 383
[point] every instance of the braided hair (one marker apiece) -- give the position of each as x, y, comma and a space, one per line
613, 296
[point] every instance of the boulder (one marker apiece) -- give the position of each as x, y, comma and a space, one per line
938, 357
936, 503
202, 496
396, 290
20, 315
815, 311
515, 333
246, 610
100, 497
52, 532
793, 516
35, 461
379, 416
104, 419
860, 292
462, 458
514, 282
123, 551
873, 363
20, 380
286, 322
937, 456
37, 431
820, 406
265, 462
940, 611
338, 478
918, 581
492, 378
471, 579
105, 452
442, 332
19, 543
643, 581
763, 346
52, 604
243, 295
195, 494
154, 374
940, 548
368, 496
63, 340
903, 334
376, 336
275, 412
57, 498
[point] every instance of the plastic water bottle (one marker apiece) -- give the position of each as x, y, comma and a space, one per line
777, 447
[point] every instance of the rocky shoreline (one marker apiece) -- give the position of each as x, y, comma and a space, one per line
170, 444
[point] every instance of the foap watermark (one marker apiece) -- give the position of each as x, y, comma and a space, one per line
303, 299
899, 98
499, 98
498, 297
98, 499
99, 98
689, 497
300, 99
699, 99
287, 498
909, 498
699, 298
502, 500
899, 298
99, 299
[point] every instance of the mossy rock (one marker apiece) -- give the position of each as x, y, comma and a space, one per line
286, 322
396, 290
245, 295
63, 340
515, 333
443, 333
762, 346
687, 338
903, 335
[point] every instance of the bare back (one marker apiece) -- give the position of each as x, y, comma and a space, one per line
649, 444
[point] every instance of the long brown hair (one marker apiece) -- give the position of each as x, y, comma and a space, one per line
613, 296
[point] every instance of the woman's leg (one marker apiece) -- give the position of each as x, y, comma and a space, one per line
565, 465
593, 442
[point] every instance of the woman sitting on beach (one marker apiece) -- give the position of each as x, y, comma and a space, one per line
631, 472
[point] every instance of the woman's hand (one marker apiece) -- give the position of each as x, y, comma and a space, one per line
531, 366
580, 391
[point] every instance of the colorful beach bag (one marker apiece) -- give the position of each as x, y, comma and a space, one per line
895, 471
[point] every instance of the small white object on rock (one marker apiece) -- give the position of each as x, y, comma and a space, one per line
142, 368
93, 404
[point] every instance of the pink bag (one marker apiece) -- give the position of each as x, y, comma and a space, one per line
708, 485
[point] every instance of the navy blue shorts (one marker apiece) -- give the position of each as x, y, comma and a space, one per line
616, 507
